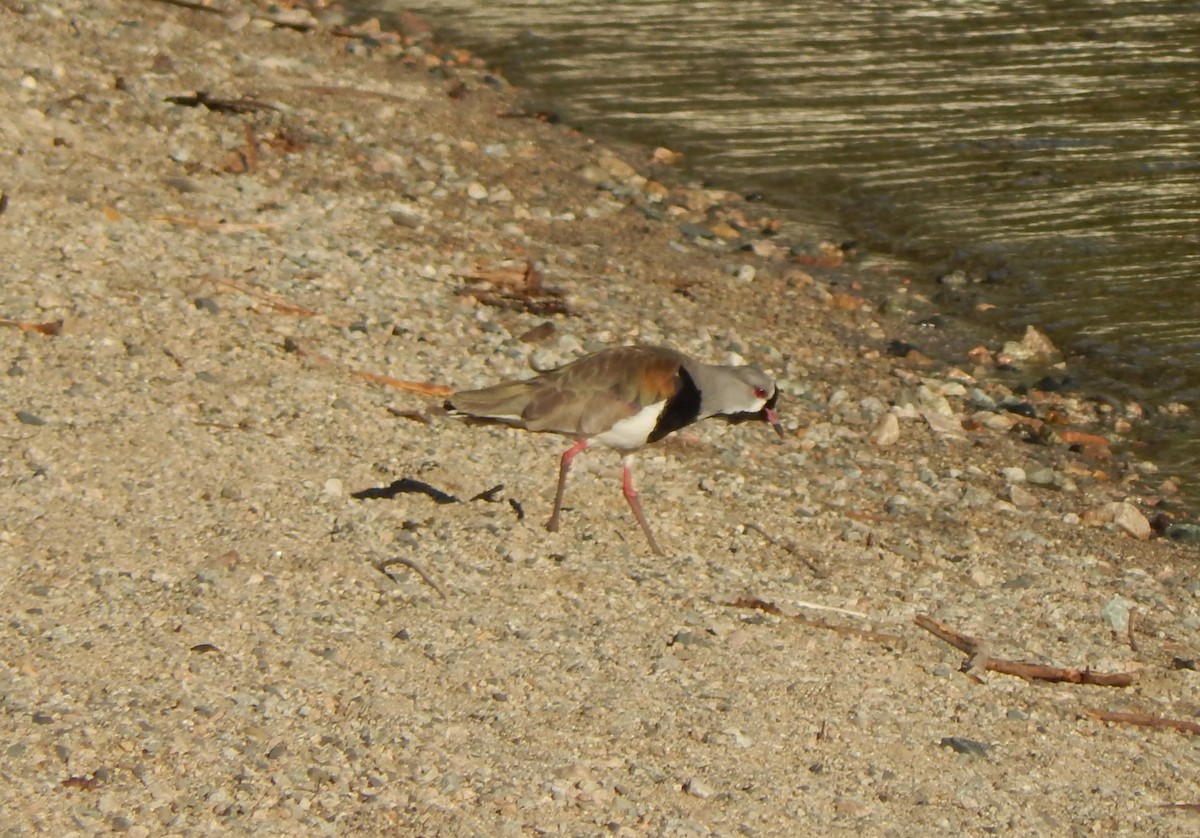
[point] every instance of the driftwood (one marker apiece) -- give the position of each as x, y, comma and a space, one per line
1143, 720
1028, 671
757, 604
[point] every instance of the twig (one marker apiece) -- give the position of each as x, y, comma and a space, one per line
789, 547
818, 607
272, 301
383, 566
771, 608
1028, 671
423, 387
1133, 644
223, 226
1143, 720
54, 327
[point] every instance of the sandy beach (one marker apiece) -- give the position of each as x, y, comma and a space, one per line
256, 581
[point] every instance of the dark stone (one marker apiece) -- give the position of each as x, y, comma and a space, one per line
961, 745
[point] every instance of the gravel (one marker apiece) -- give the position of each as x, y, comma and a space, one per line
208, 627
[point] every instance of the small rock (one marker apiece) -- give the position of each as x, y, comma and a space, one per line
333, 488
1034, 346
1014, 474
698, 788
52, 299
1116, 613
1129, 520
961, 745
1022, 498
477, 192
27, 418
887, 431
1183, 532
1041, 476
946, 426
931, 401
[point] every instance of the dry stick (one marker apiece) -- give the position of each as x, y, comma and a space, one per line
274, 301
383, 566
789, 547
1144, 720
54, 327
1028, 671
1133, 645
223, 226
771, 608
422, 387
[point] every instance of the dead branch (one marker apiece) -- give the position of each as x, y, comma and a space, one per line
771, 608
201, 99
273, 301
54, 327
1143, 720
1133, 644
789, 547
1028, 671
423, 387
383, 566
222, 226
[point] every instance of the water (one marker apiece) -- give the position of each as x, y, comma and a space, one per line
1050, 149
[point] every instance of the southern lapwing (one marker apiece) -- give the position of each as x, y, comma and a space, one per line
624, 398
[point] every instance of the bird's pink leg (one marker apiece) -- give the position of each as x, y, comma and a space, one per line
563, 468
631, 495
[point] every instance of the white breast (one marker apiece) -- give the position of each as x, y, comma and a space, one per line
632, 432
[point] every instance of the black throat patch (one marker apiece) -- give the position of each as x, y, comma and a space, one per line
680, 410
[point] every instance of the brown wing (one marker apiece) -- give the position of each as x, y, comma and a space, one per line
589, 396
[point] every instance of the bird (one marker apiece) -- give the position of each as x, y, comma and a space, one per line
624, 398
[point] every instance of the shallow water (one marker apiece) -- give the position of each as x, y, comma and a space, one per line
1050, 149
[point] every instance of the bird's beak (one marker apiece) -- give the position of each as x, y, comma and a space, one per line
773, 418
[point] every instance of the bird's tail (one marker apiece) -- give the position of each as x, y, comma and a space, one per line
505, 401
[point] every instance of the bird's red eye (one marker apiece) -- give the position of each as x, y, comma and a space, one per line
760, 393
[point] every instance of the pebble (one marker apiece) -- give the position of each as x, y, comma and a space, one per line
1022, 498
1116, 613
1013, 474
1041, 476
887, 431
946, 427
968, 747
1130, 521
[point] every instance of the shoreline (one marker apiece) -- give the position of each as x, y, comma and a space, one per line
984, 313
219, 621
